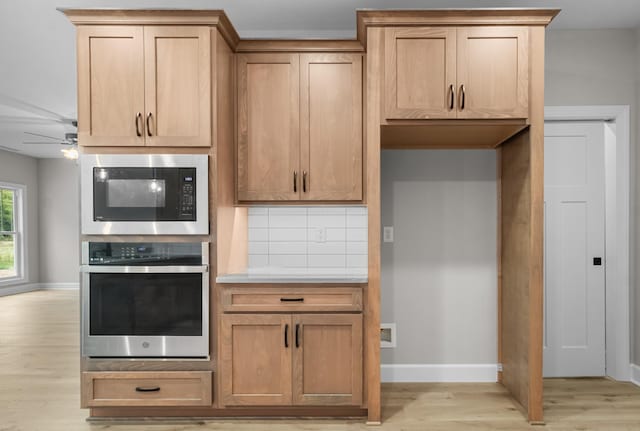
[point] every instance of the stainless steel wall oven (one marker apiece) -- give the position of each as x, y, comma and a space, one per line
145, 299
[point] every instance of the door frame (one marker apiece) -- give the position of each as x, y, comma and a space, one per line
618, 210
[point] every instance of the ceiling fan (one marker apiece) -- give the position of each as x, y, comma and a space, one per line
70, 139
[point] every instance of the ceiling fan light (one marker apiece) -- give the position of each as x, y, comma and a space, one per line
70, 153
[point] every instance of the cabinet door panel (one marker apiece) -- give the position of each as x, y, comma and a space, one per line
331, 126
494, 69
268, 127
178, 86
110, 85
419, 72
327, 359
255, 366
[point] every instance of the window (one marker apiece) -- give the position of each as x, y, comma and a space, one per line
11, 234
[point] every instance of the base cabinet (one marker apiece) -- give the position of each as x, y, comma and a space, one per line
275, 359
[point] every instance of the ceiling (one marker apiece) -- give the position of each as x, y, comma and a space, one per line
37, 52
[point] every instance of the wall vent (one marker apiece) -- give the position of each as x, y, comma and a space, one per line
387, 335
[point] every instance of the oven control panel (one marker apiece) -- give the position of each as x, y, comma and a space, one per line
146, 253
187, 193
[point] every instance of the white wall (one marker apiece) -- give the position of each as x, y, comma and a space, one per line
601, 67
18, 169
439, 275
59, 221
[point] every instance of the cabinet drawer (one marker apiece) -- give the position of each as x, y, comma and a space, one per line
291, 299
165, 388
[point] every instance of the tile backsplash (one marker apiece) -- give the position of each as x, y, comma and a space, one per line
308, 240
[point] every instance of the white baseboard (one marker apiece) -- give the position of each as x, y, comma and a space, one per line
635, 374
56, 286
20, 288
439, 373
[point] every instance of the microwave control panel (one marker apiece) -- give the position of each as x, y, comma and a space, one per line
187, 194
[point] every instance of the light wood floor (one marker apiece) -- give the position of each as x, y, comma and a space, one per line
39, 389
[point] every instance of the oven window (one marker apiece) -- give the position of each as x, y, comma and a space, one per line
146, 304
136, 193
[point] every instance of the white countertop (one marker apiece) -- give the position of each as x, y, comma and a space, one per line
290, 278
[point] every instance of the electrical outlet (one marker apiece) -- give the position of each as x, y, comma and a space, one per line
387, 234
319, 234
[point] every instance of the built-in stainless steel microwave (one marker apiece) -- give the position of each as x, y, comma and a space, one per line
151, 194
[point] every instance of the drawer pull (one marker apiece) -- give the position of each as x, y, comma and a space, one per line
291, 299
153, 389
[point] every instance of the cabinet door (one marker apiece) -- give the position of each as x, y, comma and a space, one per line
255, 364
327, 359
177, 86
110, 85
331, 126
268, 127
493, 67
420, 72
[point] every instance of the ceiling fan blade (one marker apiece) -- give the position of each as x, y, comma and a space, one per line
44, 143
42, 136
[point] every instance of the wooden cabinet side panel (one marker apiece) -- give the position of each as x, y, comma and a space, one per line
327, 359
268, 127
493, 67
515, 265
255, 364
420, 72
331, 126
177, 86
110, 85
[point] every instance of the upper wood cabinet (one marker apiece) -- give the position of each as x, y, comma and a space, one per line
463, 72
144, 85
299, 127
268, 126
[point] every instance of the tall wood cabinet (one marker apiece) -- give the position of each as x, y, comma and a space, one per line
299, 127
144, 85
475, 72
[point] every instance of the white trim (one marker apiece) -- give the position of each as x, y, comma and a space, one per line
634, 372
405, 373
59, 286
618, 230
20, 288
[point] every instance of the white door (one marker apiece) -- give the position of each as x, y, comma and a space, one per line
574, 303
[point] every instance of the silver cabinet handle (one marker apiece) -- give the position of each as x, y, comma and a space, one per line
148, 124
138, 118
452, 96
463, 97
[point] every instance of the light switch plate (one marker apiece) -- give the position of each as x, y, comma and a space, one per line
319, 234
387, 234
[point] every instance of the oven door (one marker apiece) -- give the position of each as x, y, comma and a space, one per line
135, 194
145, 311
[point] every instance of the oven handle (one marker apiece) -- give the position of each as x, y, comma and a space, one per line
143, 269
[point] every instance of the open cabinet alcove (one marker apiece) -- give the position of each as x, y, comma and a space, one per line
422, 117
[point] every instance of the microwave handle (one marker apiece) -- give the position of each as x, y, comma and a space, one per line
143, 269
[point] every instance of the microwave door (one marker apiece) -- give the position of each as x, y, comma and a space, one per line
144, 194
